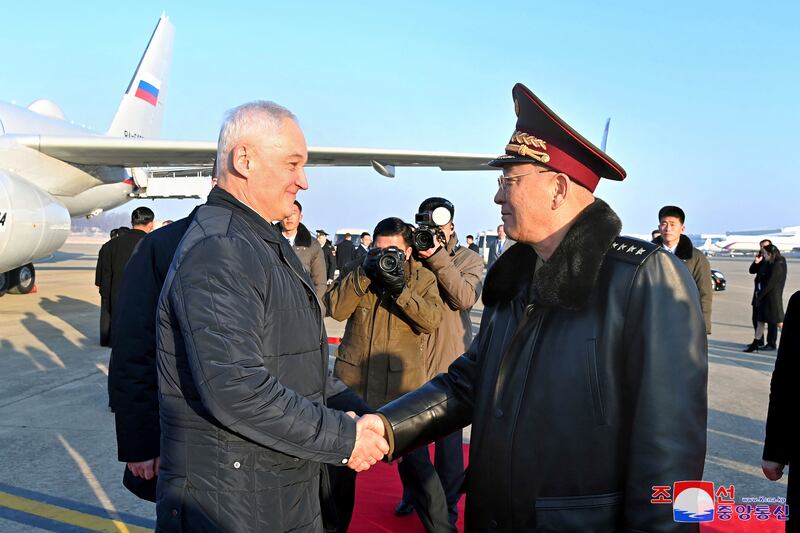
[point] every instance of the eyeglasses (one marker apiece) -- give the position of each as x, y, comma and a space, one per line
504, 182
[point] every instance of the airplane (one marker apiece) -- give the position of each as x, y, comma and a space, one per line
52, 170
786, 239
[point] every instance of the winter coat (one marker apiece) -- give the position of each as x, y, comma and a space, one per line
330, 259
769, 297
309, 251
781, 443
242, 364
345, 253
382, 354
585, 387
111, 261
699, 267
458, 272
132, 375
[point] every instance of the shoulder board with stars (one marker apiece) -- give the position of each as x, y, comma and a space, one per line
631, 250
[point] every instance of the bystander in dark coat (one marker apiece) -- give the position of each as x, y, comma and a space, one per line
345, 253
769, 298
132, 378
781, 443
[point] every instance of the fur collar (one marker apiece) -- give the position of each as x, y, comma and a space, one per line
567, 278
301, 238
684, 249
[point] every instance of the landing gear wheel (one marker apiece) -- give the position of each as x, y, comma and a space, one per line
4, 282
22, 279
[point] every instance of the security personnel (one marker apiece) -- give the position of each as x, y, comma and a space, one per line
586, 384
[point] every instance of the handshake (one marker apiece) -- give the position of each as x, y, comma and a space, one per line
371, 445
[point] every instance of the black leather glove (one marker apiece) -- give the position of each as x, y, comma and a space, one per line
370, 265
392, 282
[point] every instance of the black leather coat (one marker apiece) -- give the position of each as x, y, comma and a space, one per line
586, 386
242, 364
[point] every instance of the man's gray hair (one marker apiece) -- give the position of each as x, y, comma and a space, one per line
255, 117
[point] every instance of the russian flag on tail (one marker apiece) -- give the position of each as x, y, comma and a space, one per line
147, 90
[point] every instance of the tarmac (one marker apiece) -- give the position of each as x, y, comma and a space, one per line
58, 460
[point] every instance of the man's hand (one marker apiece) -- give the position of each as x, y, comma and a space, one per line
371, 446
145, 469
772, 471
424, 254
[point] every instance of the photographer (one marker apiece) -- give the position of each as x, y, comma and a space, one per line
391, 303
458, 272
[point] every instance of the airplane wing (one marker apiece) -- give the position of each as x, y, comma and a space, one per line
116, 151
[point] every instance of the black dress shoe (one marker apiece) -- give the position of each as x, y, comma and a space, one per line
403, 508
769, 346
752, 347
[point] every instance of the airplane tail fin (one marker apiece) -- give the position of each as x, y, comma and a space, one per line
141, 112
604, 142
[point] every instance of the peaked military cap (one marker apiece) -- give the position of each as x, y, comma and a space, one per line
542, 137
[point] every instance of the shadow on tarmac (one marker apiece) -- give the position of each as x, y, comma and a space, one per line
82, 315
730, 353
60, 256
49, 335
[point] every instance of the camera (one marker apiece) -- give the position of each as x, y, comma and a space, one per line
427, 232
391, 259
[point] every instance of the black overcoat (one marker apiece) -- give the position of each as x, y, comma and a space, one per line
585, 387
781, 443
769, 298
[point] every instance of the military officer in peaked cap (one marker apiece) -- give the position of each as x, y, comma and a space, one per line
586, 385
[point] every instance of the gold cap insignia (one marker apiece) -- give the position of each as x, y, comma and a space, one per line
527, 145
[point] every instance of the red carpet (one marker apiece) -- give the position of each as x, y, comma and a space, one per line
379, 489
377, 492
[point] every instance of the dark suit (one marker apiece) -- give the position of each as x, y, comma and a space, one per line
345, 253
474, 248
494, 252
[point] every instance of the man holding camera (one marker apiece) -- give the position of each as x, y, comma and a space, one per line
458, 272
391, 303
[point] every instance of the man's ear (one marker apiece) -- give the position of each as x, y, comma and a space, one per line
408, 252
241, 160
561, 188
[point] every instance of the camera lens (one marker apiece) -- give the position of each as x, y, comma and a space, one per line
388, 263
423, 239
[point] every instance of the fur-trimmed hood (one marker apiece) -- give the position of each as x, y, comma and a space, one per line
684, 249
567, 278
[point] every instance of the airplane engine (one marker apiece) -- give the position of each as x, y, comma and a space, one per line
33, 224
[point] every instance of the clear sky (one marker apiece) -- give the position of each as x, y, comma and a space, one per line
702, 95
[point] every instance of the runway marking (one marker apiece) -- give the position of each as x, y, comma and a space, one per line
102, 368
93, 482
737, 437
65, 516
743, 468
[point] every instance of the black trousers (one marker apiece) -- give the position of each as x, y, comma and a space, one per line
449, 463
337, 504
105, 322
425, 491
